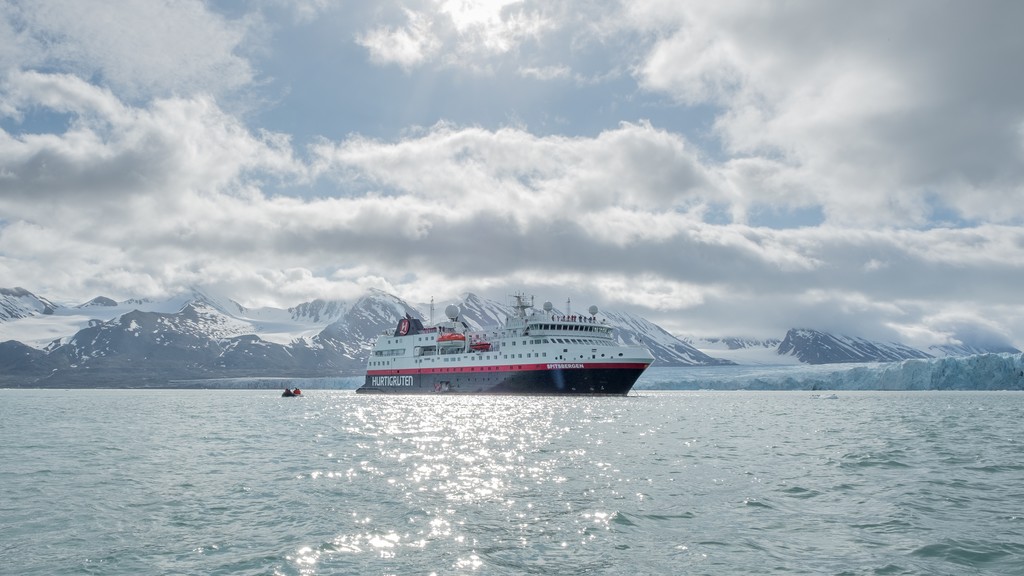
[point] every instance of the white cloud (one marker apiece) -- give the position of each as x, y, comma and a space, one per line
137, 48
546, 72
617, 215
112, 152
148, 183
530, 178
407, 46
463, 33
693, 66
875, 108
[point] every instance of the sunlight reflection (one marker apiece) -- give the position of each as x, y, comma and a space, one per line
471, 563
436, 459
306, 559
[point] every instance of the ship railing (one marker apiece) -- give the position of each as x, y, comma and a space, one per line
568, 319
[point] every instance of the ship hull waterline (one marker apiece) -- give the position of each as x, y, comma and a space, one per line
582, 380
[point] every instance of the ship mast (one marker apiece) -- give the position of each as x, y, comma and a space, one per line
521, 305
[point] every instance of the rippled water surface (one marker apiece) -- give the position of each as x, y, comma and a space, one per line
247, 482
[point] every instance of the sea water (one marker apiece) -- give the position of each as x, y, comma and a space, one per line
247, 482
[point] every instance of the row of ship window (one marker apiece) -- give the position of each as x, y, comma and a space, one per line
587, 341
391, 352
601, 329
483, 357
495, 357
534, 341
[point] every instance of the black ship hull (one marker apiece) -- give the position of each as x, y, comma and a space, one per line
576, 380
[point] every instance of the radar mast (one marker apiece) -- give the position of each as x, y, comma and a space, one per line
520, 304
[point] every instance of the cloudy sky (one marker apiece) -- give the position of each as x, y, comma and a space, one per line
722, 168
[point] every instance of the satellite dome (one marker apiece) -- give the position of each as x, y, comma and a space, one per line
592, 310
548, 307
451, 311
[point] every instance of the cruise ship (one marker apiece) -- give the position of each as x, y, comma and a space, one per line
534, 352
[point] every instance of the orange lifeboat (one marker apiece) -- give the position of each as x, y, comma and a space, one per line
451, 339
480, 346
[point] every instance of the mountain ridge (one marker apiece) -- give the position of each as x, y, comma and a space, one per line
195, 335
210, 337
817, 347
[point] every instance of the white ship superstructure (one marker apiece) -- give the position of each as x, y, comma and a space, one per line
535, 352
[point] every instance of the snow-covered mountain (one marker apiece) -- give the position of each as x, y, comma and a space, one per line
745, 351
807, 346
196, 335
976, 372
816, 347
199, 341
479, 313
666, 348
38, 322
319, 311
101, 301
970, 349
16, 303
483, 314
353, 334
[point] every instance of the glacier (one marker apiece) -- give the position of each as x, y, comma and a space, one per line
979, 372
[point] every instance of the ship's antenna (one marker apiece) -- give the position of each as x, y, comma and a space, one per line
520, 305
431, 310
568, 306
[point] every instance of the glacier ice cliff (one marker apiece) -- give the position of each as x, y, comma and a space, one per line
980, 372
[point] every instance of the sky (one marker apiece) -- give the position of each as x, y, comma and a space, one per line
721, 168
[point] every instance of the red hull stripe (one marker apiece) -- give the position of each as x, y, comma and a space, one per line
513, 368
